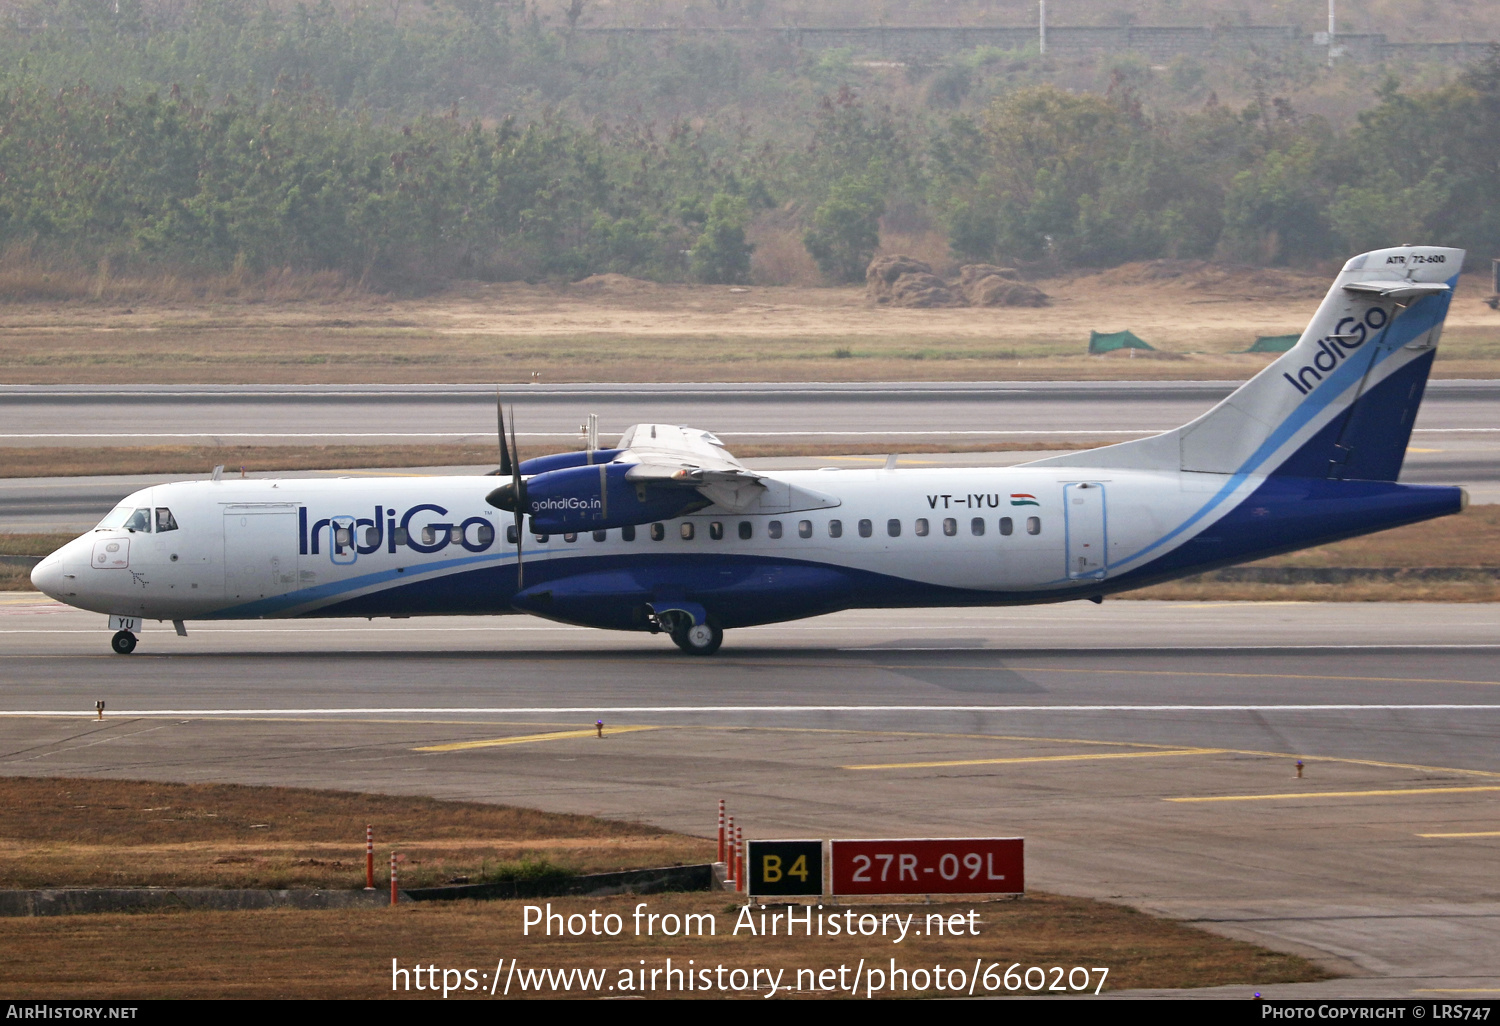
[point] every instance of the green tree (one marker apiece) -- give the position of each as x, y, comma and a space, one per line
845, 230
722, 255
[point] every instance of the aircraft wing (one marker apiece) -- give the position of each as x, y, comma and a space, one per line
669, 454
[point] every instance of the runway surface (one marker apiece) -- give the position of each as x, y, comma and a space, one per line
1098, 411
1145, 750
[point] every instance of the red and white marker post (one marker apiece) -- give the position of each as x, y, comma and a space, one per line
393, 878
739, 854
369, 858
729, 855
721, 831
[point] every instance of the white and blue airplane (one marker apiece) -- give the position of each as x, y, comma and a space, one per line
667, 532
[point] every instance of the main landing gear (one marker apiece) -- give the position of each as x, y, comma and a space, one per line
123, 643
702, 639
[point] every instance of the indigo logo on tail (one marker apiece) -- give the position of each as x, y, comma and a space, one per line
1348, 335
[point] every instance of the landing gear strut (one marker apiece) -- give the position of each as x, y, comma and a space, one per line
123, 642
703, 639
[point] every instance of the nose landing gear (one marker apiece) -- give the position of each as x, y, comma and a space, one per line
123, 643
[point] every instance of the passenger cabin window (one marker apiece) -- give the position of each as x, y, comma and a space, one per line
627, 533
510, 534
456, 535
1006, 526
343, 537
893, 528
484, 534
950, 527
716, 530
921, 528
866, 529
773, 529
835, 528
164, 520
600, 535
372, 537
543, 539
572, 536
747, 530
976, 526
804, 529
398, 536
658, 532
1033, 525
140, 520
686, 530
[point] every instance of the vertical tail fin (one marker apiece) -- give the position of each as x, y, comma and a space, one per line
1338, 404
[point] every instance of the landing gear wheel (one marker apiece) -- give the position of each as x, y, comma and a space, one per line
702, 640
123, 642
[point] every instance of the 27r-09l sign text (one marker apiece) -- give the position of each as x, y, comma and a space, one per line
965, 865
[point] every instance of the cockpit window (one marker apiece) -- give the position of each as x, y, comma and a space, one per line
116, 518
164, 520
140, 520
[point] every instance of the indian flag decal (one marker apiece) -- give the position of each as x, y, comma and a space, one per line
1022, 499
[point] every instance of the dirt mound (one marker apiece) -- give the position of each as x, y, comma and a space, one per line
905, 281
969, 274
615, 285
988, 285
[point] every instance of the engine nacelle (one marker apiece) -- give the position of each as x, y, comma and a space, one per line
564, 460
597, 498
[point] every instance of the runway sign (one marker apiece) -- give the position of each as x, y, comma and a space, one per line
784, 867
960, 865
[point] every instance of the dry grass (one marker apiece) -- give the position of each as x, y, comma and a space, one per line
347, 954
617, 329
73, 833
27, 277
779, 257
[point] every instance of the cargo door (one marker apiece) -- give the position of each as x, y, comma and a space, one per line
260, 552
1084, 523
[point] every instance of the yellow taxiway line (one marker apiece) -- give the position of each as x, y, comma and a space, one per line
1333, 794
1034, 758
1477, 833
556, 735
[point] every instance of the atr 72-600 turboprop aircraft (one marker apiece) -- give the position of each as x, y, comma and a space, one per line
668, 532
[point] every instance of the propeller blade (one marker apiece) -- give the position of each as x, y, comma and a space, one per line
505, 463
519, 488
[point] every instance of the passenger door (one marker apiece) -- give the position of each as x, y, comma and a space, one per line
1085, 525
260, 552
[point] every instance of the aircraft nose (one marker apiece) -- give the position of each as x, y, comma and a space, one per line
47, 576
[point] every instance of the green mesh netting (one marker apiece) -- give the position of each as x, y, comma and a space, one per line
1272, 344
1109, 341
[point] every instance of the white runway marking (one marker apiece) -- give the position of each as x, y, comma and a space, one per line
593, 710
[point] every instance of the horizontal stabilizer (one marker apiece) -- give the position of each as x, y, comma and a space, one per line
1396, 289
